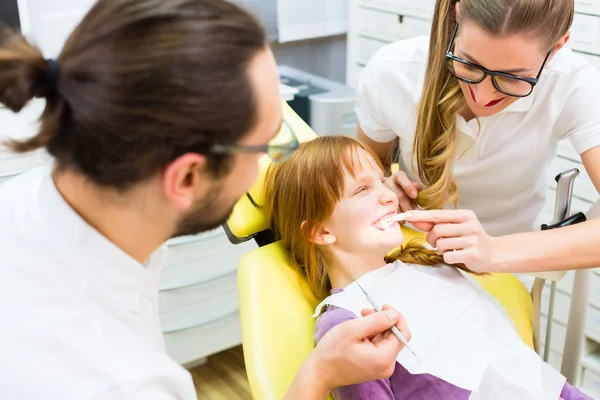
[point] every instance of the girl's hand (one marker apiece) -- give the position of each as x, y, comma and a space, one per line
458, 236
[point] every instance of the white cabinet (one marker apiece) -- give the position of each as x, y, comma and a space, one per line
585, 33
375, 23
389, 27
198, 298
590, 375
587, 7
417, 8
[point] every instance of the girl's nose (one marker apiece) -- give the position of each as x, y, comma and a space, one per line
387, 196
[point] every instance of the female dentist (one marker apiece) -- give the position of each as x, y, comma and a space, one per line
157, 112
479, 110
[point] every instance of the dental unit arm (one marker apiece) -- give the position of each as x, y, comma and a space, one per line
581, 287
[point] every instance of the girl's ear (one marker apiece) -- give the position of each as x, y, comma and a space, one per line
319, 236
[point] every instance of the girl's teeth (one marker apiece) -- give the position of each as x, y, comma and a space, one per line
385, 222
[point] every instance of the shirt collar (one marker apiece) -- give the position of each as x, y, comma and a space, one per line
105, 271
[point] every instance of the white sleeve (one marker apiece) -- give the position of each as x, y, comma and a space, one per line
368, 108
580, 118
154, 386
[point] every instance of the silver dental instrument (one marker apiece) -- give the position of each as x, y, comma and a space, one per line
395, 330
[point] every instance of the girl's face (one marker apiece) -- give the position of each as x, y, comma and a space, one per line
363, 203
517, 55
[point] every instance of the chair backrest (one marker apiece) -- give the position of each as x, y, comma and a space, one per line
276, 304
247, 220
276, 307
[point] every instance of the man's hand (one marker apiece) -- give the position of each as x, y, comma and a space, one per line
352, 352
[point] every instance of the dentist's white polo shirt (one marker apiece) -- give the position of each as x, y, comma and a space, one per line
503, 174
79, 316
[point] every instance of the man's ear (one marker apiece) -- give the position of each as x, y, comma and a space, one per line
319, 236
181, 179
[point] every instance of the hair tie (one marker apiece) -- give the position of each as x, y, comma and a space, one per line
50, 78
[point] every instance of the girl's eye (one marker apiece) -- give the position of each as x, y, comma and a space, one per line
361, 189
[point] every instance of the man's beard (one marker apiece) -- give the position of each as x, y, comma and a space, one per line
207, 215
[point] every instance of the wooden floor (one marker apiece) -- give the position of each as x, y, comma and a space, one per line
223, 377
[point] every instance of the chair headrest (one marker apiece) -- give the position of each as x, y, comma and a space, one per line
247, 219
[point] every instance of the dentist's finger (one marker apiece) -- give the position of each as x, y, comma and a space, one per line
466, 257
375, 323
404, 201
378, 337
367, 311
409, 187
402, 325
424, 226
440, 231
440, 216
445, 245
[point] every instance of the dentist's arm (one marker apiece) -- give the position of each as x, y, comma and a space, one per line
571, 247
352, 352
459, 236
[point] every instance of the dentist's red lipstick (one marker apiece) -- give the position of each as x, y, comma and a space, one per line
494, 102
490, 104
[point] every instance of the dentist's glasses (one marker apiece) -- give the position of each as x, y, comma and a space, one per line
278, 149
509, 84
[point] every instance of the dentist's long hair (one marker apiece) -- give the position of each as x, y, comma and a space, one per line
307, 187
436, 135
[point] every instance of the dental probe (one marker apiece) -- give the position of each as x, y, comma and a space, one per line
395, 330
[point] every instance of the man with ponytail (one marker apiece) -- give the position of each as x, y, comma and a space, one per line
157, 112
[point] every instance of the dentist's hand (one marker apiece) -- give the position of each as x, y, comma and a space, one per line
405, 189
459, 236
352, 352
362, 349
401, 325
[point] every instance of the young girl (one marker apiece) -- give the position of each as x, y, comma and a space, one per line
325, 203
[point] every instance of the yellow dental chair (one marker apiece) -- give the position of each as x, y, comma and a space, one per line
276, 304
